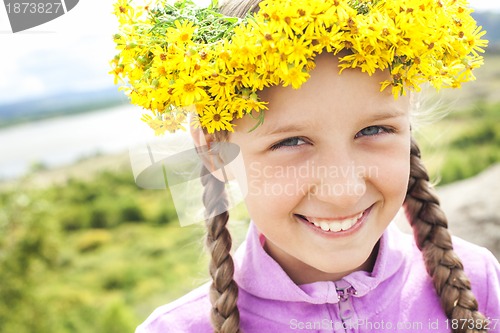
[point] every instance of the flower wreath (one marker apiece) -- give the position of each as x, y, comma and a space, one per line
177, 58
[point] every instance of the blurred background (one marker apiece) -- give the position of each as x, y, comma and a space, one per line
83, 249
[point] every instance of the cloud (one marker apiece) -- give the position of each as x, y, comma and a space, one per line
71, 52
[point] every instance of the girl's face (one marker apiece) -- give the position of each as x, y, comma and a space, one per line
327, 170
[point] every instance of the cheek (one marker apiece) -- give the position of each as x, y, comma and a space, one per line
392, 172
271, 189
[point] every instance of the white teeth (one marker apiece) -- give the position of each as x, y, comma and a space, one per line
324, 226
347, 224
335, 226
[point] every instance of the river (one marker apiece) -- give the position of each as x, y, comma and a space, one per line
63, 140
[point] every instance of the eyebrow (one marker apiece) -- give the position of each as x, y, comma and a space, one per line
386, 115
287, 128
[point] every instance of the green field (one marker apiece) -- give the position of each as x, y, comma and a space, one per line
97, 254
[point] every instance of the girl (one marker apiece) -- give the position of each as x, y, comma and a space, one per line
328, 165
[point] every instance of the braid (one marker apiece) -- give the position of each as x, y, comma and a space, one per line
225, 316
430, 229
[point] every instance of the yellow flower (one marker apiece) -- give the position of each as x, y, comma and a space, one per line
220, 86
166, 122
298, 50
123, 11
329, 39
155, 124
338, 12
182, 33
224, 57
216, 119
475, 42
187, 90
294, 76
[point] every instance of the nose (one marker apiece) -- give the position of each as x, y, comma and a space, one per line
339, 181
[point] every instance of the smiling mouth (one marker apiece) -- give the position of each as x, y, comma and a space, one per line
336, 225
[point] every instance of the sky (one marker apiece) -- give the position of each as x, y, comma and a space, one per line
485, 5
72, 52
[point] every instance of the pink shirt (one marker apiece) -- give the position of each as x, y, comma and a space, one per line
397, 296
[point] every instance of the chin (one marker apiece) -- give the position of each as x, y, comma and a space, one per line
346, 263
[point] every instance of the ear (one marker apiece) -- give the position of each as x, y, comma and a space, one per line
206, 146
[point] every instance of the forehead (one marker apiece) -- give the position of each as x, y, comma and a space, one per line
327, 96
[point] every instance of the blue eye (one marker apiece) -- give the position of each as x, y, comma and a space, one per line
290, 142
373, 130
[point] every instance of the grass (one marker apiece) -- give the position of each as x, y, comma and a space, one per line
142, 260
462, 144
92, 252
100, 250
